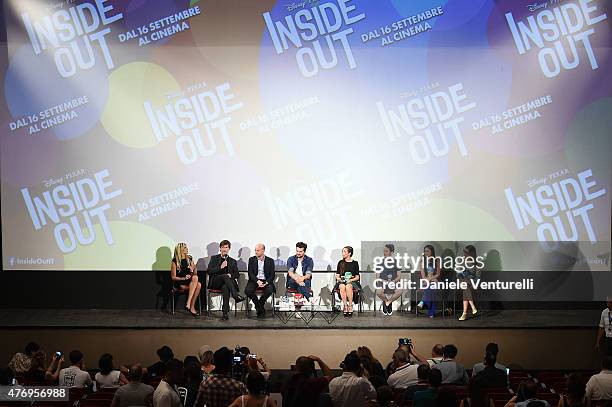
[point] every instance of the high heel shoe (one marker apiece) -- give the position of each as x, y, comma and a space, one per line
193, 314
463, 317
474, 311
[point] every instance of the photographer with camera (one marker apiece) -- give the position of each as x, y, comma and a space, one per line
404, 372
304, 388
352, 388
253, 363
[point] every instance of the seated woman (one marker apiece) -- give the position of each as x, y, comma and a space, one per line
389, 295
185, 276
108, 377
347, 280
430, 271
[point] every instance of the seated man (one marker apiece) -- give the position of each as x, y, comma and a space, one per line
490, 348
300, 271
261, 276
75, 375
491, 376
452, 372
427, 397
352, 388
599, 386
422, 384
135, 393
223, 275
405, 373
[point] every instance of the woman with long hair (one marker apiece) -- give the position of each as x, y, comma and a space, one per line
347, 280
430, 271
374, 367
257, 397
469, 253
185, 276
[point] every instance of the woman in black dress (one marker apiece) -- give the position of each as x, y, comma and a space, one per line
347, 279
185, 276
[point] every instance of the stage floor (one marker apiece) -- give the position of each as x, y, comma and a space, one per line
157, 319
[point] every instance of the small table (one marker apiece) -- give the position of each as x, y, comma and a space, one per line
306, 313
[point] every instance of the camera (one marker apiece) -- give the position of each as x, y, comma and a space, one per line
253, 356
238, 368
405, 341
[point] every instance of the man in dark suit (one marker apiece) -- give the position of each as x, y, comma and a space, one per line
261, 276
223, 273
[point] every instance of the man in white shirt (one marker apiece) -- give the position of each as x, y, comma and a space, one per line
599, 386
351, 389
605, 328
166, 393
405, 373
75, 375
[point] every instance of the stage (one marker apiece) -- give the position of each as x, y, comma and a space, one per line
161, 319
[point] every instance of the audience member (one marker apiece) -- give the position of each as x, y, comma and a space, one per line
351, 389
477, 395
422, 383
452, 371
257, 397
599, 386
75, 375
220, 389
21, 362
437, 355
304, 388
404, 373
108, 376
192, 378
427, 397
492, 348
575, 395
491, 376
529, 392
159, 368
135, 393
166, 394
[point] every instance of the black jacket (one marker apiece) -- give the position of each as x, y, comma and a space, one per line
268, 269
214, 268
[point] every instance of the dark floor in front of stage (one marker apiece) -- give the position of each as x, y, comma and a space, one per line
159, 319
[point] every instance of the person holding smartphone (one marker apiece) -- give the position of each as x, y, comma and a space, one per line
184, 276
347, 280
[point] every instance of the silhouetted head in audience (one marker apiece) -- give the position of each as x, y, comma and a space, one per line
437, 351
423, 372
352, 363
192, 370
447, 397
609, 303
530, 389
165, 353
31, 348
135, 373
434, 378
450, 352
174, 371
606, 363
477, 394
7, 376
305, 366
576, 386
223, 361
76, 358
384, 395
492, 348
106, 363
399, 358
256, 383
490, 359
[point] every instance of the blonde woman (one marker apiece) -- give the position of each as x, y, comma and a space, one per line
185, 276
